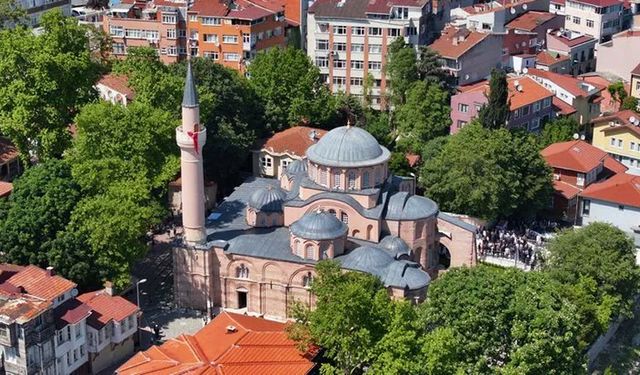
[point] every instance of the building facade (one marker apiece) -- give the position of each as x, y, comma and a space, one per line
620, 55
114, 88
619, 135
347, 40
258, 250
579, 49
36, 8
600, 19
634, 82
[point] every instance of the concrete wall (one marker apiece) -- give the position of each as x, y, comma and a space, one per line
610, 213
477, 63
110, 355
619, 56
587, 12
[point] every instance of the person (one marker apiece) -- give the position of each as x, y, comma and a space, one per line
156, 331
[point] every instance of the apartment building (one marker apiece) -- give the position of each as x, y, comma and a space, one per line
597, 18
159, 24
557, 7
492, 16
620, 55
578, 48
529, 103
232, 32
619, 135
582, 96
36, 8
468, 55
348, 39
525, 37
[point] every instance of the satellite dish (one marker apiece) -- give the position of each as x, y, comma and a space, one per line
632, 119
576, 136
524, 6
525, 70
513, 10
582, 137
74, 292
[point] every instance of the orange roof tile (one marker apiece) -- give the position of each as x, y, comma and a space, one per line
20, 308
8, 151
613, 165
621, 120
412, 159
622, 189
5, 188
568, 191
530, 91
37, 282
106, 308
530, 20
575, 86
576, 155
293, 141
562, 108
547, 58
119, 83
255, 346
454, 42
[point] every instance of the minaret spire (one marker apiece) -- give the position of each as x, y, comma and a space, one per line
191, 136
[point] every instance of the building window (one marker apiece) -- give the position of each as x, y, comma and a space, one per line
171, 33
210, 38
357, 64
169, 18
307, 280
340, 47
308, 252
340, 30
411, 31
231, 57
461, 124
365, 179
265, 161
352, 180
339, 82
394, 32
322, 45
375, 65
322, 27
612, 141
322, 62
375, 31
116, 30
242, 272
357, 30
400, 13
339, 64
590, 23
336, 180
525, 110
210, 21
211, 55
356, 81
357, 47
534, 125
323, 177
230, 39
536, 106
546, 103
620, 143
464, 108
345, 218
576, 20
580, 179
375, 48
118, 48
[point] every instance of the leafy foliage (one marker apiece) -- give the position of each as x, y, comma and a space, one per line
45, 79
430, 69
630, 102
11, 13
617, 91
489, 174
399, 165
495, 113
401, 69
559, 130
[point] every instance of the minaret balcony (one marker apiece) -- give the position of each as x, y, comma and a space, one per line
187, 140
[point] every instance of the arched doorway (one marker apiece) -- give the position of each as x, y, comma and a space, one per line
444, 257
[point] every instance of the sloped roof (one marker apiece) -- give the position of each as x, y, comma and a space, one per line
294, 140
547, 58
106, 308
8, 151
574, 155
37, 282
252, 346
568, 191
529, 93
636, 70
70, 312
119, 83
20, 308
5, 188
573, 85
561, 107
446, 46
622, 189
530, 20
621, 120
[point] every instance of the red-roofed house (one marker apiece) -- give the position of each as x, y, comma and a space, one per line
552, 62
274, 154
9, 161
115, 88
530, 104
230, 344
598, 18
526, 33
576, 165
578, 49
619, 135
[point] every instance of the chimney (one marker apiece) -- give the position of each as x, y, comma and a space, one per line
108, 287
191, 137
454, 41
50, 271
231, 329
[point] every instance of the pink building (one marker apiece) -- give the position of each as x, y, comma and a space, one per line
529, 102
526, 34
258, 250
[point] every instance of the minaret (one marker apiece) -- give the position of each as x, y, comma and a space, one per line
190, 138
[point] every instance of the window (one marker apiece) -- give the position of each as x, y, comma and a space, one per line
632, 146
525, 110
116, 30
269, 33
463, 108
411, 31
323, 175
534, 125
357, 30
400, 12
182, 33
580, 179
266, 161
590, 23
461, 124
356, 81
339, 64
133, 33
546, 102
375, 48
536, 107
242, 272
322, 62
620, 143
357, 64
322, 44
339, 46
210, 38
118, 48
576, 20
211, 55
171, 33
378, 177
375, 65
231, 57
365, 179
357, 47
345, 218
166, 18
210, 21
339, 81
307, 280
336, 180
638, 85
322, 27
352, 180
375, 31
230, 39
394, 32
586, 207
193, 17
340, 30
308, 252
78, 329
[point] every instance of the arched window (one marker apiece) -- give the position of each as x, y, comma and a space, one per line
365, 179
333, 212
308, 252
296, 248
345, 218
378, 177
307, 280
324, 251
242, 272
323, 177
352, 180
336, 180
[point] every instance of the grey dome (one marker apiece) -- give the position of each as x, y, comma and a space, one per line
368, 259
395, 246
268, 199
405, 274
297, 166
319, 225
348, 146
404, 206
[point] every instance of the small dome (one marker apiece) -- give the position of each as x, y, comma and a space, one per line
395, 246
268, 199
319, 225
367, 259
404, 206
348, 146
297, 166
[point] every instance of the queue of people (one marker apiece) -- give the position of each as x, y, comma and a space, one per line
520, 245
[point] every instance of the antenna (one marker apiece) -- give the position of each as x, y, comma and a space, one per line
582, 137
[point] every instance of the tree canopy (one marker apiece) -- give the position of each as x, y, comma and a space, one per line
559, 130
487, 173
618, 91
630, 102
495, 113
45, 79
401, 69
11, 13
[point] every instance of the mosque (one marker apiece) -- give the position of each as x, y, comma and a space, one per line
257, 251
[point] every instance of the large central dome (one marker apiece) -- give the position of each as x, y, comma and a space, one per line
348, 146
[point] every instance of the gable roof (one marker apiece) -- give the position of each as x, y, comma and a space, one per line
575, 155
576, 87
636, 70
19, 307
106, 308
70, 312
5, 188
293, 141
38, 282
562, 108
8, 151
622, 189
230, 344
529, 93
119, 83
530, 20
621, 121
455, 42
547, 58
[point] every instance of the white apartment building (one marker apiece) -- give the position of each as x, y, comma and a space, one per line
598, 18
348, 40
36, 8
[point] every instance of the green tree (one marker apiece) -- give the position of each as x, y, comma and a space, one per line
378, 124
504, 322
597, 263
489, 174
495, 113
424, 116
630, 102
617, 91
559, 130
11, 13
430, 70
290, 87
401, 69
45, 79
399, 165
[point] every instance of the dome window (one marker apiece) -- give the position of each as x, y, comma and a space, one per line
352, 180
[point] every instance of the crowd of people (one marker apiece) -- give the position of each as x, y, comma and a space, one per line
523, 245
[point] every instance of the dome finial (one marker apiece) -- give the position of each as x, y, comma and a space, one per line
348, 123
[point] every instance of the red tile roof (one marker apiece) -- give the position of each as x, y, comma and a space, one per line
576, 155
636, 70
568, 191
530, 20
412, 159
20, 308
5, 188
455, 42
529, 93
613, 165
561, 107
621, 120
37, 282
622, 189
254, 346
70, 312
571, 84
106, 308
8, 151
547, 58
119, 83
292, 141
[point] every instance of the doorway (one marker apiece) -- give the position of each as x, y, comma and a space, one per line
242, 300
